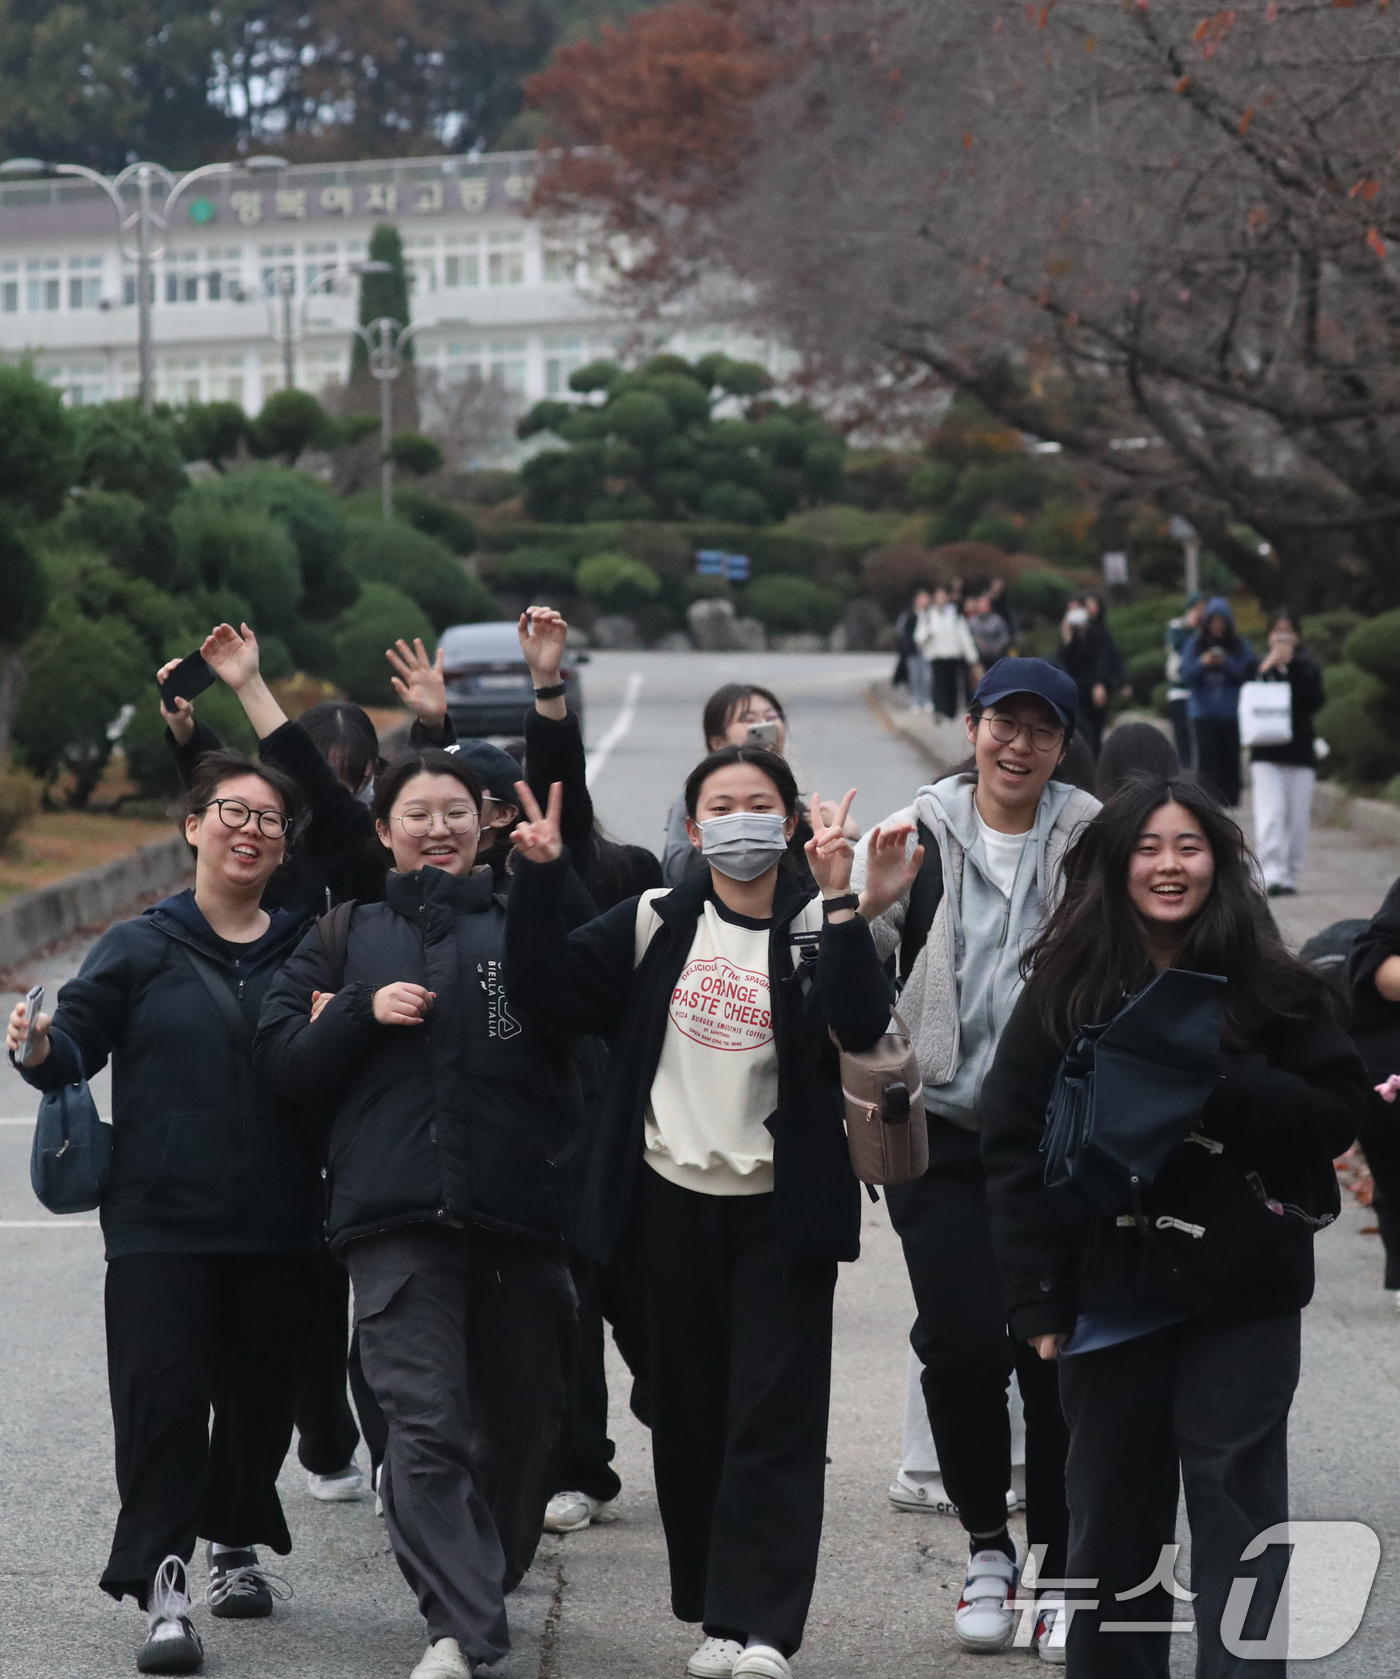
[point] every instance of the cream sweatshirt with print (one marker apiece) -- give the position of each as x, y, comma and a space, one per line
717, 1079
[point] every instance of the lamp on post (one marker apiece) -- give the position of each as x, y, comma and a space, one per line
141, 231
385, 338
293, 324
1183, 531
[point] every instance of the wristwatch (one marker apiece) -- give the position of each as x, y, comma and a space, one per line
557, 692
850, 901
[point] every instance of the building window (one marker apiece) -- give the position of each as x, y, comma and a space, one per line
559, 265
44, 284
84, 282
271, 281
505, 266
9, 289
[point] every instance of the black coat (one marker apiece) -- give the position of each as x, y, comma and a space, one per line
203, 1161
453, 1122
1375, 1023
609, 869
1305, 679
586, 980
1284, 1109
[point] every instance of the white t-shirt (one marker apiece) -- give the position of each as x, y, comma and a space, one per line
1002, 852
717, 1080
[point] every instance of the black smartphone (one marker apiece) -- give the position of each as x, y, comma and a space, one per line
190, 677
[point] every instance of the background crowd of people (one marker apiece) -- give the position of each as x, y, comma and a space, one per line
424, 1038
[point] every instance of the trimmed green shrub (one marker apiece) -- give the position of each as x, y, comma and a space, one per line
210, 431
1145, 671
148, 759
415, 453
617, 581
315, 521
250, 553
996, 530
289, 423
1375, 647
931, 484
121, 447
735, 502
1325, 633
794, 605
389, 551
37, 443
1041, 594
534, 568
20, 795
439, 519
1142, 626
376, 621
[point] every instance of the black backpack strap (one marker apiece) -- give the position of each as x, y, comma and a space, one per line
212, 981
334, 928
925, 895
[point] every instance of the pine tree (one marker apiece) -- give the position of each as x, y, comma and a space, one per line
382, 294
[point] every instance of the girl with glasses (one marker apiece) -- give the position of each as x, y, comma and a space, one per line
440, 1111
211, 1216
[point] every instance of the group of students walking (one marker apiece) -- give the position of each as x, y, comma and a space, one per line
428, 1027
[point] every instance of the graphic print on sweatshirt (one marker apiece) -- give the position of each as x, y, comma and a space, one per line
500, 1022
722, 1006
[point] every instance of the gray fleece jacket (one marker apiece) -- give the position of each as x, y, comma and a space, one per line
966, 979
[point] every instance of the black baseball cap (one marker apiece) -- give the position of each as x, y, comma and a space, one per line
497, 771
1031, 676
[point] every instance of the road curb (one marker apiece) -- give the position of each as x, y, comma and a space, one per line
35, 919
1376, 819
942, 744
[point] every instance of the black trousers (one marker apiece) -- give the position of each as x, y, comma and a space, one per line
467, 1338
328, 1435
968, 1354
948, 676
1218, 756
1379, 1136
1207, 1399
606, 1294
740, 1386
187, 1333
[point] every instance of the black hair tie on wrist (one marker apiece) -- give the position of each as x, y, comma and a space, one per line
557, 692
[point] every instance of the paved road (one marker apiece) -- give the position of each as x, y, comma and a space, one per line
595, 1607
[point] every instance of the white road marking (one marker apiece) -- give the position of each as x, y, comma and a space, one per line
50, 1224
621, 724
16, 1122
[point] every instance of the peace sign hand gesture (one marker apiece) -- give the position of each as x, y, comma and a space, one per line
537, 838
829, 852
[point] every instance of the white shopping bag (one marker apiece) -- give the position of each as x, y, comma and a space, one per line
1266, 714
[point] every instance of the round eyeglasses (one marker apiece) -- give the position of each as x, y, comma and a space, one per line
233, 813
1044, 737
418, 824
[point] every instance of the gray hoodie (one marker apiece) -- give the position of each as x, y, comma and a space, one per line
965, 981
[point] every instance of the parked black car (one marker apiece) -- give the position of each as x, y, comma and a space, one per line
489, 690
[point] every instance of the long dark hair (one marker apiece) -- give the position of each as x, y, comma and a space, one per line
1092, 957
1134, 749
722, 705
346, 739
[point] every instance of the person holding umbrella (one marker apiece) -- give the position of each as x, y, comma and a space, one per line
1176, 1317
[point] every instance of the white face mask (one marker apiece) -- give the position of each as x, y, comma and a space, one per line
744, 844
366, 794
1077, 617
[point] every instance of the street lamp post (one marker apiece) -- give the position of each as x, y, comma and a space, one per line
294, 322
385, 338
148, 224
1183, 531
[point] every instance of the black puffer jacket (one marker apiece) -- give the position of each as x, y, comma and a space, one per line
203, 1161
1286, 1106
587, 981
456, 1121
1375, 1023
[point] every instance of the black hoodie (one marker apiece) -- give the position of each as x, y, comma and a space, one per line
202, 1161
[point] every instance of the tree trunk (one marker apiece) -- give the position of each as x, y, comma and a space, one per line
13, 676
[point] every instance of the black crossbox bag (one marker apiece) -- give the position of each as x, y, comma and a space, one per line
1128, 1092
71, 1157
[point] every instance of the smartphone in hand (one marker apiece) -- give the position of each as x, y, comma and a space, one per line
764, 734
190, 677
33, 1008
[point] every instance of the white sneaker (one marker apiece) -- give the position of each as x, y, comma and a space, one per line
378, 1490
571, 1512
714, 1659
1051, 1628
1016, 1492
444, 1660
345, 1486
762, 1661
921, 1490
985, 1618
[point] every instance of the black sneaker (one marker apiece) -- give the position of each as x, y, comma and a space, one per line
239, 1588
172, 1645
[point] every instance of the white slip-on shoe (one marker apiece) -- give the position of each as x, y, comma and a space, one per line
1051, 1628
985, 1618
345, 1486
714, 1659
921, 1491
444, 1660
571, 1512
762, 1661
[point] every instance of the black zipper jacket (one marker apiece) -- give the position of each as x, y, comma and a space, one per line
1286, 1106
453, 1122
202, 1160
586, 981
1376, 1022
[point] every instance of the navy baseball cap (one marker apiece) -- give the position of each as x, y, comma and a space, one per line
1030, 676
497, 771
